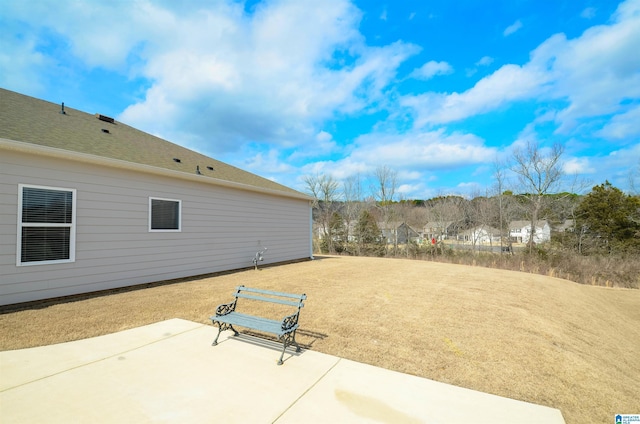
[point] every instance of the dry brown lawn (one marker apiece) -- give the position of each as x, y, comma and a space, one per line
523, 336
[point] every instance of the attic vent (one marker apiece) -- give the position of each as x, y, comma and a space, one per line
106, 131
210, 168
105, 118
177, 160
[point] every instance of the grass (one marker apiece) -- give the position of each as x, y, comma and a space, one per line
524, 336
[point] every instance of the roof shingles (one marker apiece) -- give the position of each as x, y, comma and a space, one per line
30, 120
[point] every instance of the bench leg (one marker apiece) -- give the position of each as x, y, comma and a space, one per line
288, 340
222, 326
284, 346
215, 342
295, 342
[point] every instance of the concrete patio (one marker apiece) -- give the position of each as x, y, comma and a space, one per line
169, 372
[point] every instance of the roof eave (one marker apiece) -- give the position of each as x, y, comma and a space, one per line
30, 148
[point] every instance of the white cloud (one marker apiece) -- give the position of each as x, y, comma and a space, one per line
508, 84
321, 145
512, 28
485, 61
623, 126
383, 15
592, 73
21, 64
588, 13
598, 70
323, 137
418, 159
225, 76
339, 169
416, 156
627, 158
268, 78
620, 166
471, 187
424, 150
90, 36
431, 69
577, 166
268, 164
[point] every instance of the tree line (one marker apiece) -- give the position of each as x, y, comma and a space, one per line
604, 222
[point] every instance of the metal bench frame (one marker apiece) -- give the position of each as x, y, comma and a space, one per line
285, 330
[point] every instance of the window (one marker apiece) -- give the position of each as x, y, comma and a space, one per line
164, 214
46, 225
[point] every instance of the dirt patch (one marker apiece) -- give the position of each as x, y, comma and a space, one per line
528, 337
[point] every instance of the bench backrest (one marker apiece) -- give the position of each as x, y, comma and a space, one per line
289, 299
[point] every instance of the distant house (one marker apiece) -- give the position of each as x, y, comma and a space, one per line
520, 231
568, 225
439, 230
480, 234
89, 203
397, 232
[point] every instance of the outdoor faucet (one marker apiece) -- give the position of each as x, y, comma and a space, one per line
259, 257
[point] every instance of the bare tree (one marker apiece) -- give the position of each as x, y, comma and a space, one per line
499, 169
386, 183
634, 180
324, 190
383, 190
352, 196
539, 173
403, 212
482, 215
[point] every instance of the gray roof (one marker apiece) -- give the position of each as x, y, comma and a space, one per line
30, 120
438, 224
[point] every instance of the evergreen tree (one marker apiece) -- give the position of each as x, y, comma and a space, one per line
610, 218
338, 232
369, 236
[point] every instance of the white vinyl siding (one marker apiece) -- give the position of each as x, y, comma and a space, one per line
165, 214
46, 225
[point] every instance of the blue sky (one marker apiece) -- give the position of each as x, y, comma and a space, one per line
437, 91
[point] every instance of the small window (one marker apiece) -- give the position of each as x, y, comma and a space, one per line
164, 214
46, 225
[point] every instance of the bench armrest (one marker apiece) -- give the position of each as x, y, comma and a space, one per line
290, 321
225, 308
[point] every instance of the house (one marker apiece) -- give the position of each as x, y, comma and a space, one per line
439, 230
520, 231
88, 203
397, 232
480, 234
568, 225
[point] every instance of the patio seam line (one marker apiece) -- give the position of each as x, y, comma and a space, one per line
101, 359
307, 391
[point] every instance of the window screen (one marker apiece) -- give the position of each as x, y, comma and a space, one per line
46, 225
164, 215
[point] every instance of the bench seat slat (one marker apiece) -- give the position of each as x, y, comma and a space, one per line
270, 299
272, 293
256, 323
